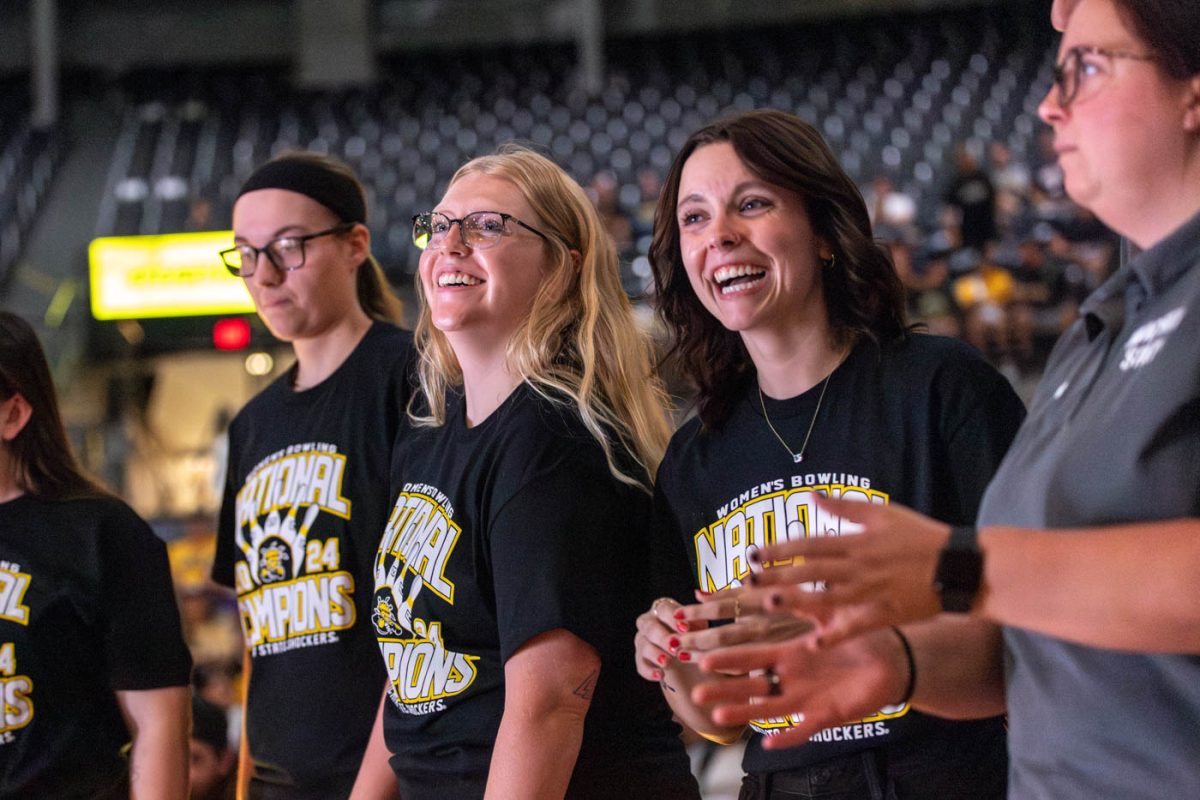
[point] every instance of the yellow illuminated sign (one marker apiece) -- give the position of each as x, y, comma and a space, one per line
172, 275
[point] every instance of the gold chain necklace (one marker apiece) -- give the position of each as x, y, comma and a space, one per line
797, 457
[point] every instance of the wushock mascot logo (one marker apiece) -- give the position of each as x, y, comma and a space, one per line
291, 588
420, 536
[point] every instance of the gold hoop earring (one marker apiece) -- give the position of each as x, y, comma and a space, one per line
830, 262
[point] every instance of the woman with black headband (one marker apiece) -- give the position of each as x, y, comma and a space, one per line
305, 494
93, 666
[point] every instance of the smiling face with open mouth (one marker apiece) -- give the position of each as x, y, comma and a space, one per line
484, 291
750, 252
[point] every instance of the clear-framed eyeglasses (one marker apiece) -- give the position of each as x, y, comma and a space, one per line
1085, 68
286, 252
479, 229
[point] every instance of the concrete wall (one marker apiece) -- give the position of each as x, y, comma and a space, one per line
117, 35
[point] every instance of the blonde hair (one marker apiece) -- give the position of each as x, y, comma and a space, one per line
580, 340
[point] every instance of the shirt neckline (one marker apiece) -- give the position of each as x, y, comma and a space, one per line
798, 404
284, 381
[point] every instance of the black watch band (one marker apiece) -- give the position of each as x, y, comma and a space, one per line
959, 570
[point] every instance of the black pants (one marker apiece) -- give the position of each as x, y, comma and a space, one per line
866, 776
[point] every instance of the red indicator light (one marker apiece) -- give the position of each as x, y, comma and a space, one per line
231, 334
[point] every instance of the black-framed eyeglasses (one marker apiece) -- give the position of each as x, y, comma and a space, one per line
286, 252
1085, 63
479, 229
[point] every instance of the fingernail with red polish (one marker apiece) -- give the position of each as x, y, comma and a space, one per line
754, 556
752, 578
685, 656
681, 627
774, 599
662, 659
673, 643
679, 615
657, 675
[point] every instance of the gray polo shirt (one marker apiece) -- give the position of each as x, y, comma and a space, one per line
1113, 436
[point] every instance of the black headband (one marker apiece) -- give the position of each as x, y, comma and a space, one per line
338, 193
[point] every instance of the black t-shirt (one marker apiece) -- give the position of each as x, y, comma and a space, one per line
305, 500
86, 609
500, 532
974, 195
923, 422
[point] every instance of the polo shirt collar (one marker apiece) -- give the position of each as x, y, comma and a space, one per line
1158, 268
1148, 274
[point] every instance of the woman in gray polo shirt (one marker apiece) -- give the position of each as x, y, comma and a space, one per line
1088, 549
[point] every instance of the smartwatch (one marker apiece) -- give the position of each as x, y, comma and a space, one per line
959, 570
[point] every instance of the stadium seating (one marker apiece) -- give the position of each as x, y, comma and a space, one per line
27, 161
893, 94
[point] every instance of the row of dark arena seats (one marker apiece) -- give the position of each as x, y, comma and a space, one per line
27, 161
891, 95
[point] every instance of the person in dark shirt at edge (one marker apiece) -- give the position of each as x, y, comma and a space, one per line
95, 668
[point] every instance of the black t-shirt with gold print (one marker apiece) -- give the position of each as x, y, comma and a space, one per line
922, 422
305, 501
87, 609
500, 532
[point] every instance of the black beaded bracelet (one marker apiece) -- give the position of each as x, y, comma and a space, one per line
912, 667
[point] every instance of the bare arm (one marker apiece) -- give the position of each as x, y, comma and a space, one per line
959, 669
1127, 587
160, 721
375, 780
548, 686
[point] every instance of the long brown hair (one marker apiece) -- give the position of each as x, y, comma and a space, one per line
45, 464
863, 295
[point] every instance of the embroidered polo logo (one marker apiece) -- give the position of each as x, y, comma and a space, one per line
1148, 340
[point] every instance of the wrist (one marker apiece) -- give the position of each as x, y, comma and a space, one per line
907, 667
959, 570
